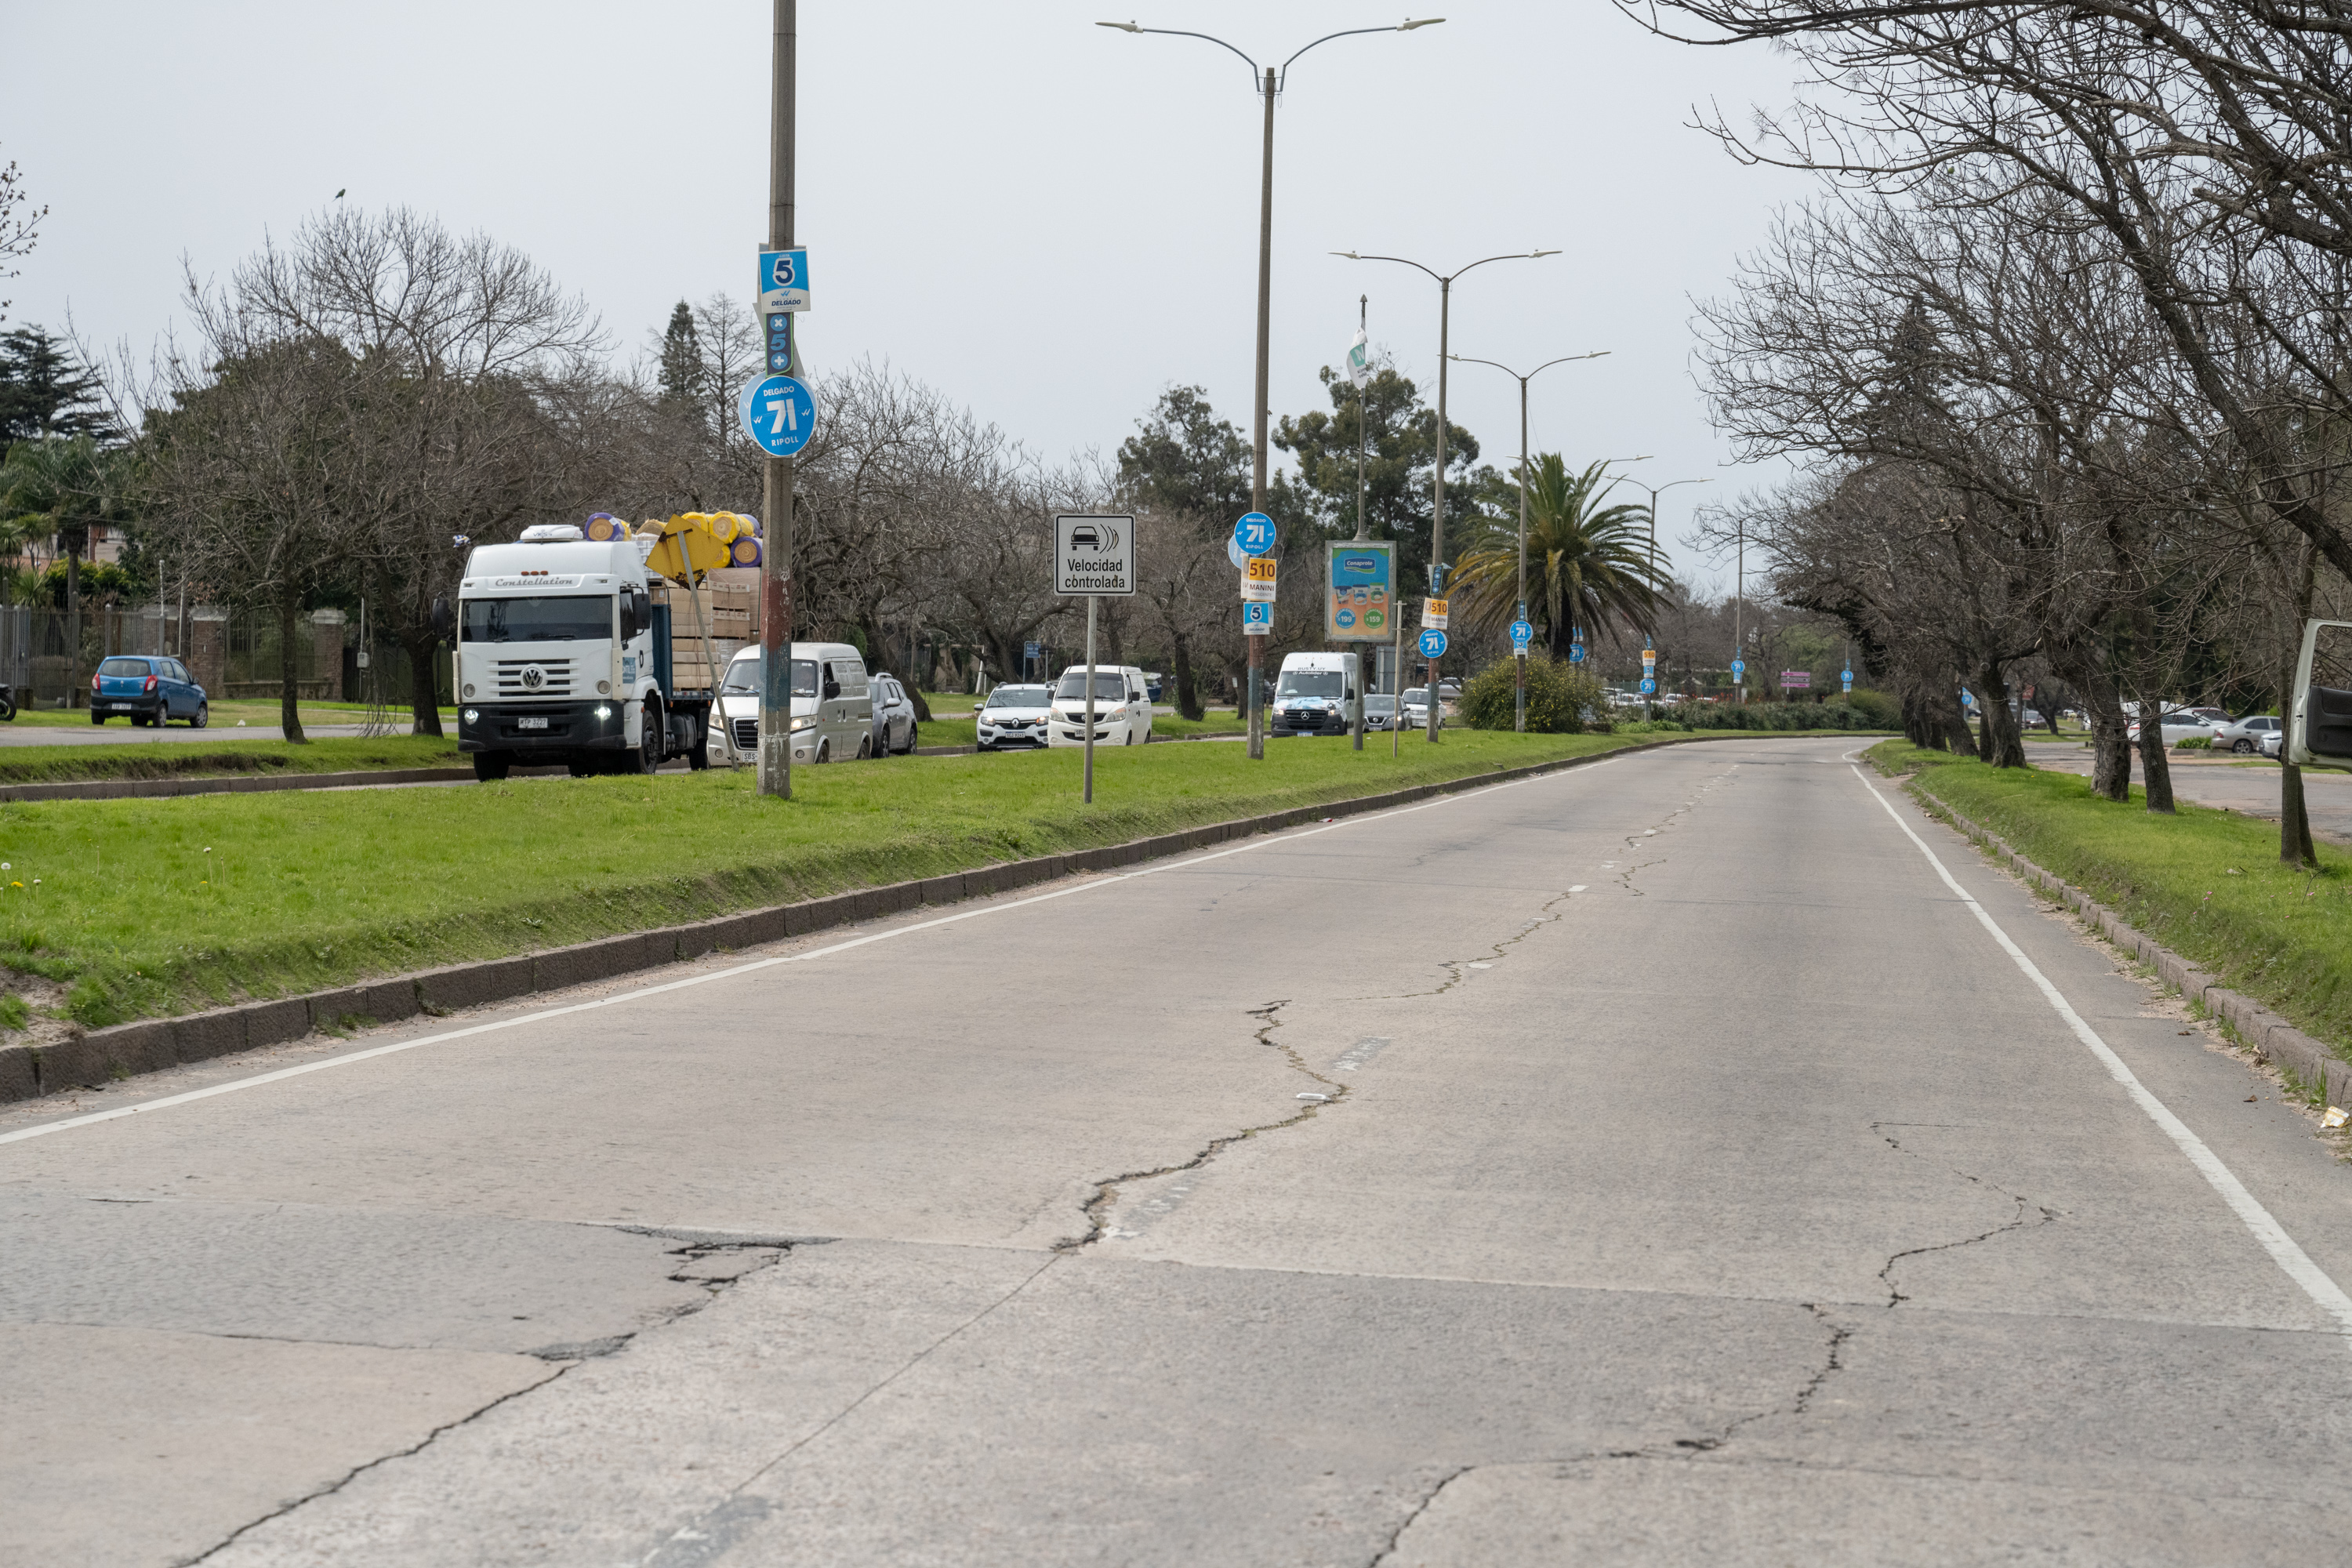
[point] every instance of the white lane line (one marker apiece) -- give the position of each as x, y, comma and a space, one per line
2290, 1257
280, 1074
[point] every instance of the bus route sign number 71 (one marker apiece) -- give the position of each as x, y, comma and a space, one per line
779, 414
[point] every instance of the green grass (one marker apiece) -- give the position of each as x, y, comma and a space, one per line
226, 756
2205, 883
149, 907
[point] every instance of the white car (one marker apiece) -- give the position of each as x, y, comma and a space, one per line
2185, 724
2245, 737
1122, 707
1015, 716
1416, 708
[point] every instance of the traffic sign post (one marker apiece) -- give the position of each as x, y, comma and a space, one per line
1257, 618
779, 414
1094, 554
1433, 644
1522, 634
779, 325
1847, 676
1432, 612
1251, 547
1254, 533
1575, 653
1649, 685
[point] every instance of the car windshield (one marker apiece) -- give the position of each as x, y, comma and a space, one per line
1380, 702
1017, 697
565, 618
1416, 694
743, 676
1309, 683
1110, 687
124, 666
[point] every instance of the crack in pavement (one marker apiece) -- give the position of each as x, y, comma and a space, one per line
1832, 1362
1096, 1209
2027, 1213
1460, 968
565, 1357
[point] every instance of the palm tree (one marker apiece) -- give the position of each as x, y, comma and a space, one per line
1588, 565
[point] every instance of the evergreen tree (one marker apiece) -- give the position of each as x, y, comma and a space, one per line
683, 378
1184, 459
1399, 498
45, 392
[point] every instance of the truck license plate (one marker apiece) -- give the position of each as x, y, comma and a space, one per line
531, 723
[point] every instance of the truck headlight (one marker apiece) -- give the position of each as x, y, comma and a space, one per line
805, 721
473, 715
603, 710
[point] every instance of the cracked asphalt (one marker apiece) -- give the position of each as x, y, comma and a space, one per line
1653, 1162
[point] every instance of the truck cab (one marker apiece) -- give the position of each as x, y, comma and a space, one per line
555, 664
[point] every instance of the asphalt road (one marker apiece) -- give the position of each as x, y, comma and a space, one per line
1705, 1182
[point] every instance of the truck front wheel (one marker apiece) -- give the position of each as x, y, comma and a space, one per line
491, 766
646, 756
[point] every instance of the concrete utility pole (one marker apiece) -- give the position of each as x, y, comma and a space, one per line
1518, 656
776, 499
1437, 521
1269, 83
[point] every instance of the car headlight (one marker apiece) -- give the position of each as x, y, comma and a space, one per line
805, 721
473, 715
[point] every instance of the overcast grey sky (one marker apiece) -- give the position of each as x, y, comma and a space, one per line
1047, 220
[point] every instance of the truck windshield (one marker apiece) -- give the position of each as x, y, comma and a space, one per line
1309, 683
743, 676
569, 619
1110, 687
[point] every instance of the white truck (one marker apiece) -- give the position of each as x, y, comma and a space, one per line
564, 658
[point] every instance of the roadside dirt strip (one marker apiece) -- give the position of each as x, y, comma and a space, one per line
150, 1044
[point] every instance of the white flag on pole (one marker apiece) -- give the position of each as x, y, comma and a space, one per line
1360, 361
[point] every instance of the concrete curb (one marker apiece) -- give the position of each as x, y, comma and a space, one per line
234, 784
2270, 1037
122, 1050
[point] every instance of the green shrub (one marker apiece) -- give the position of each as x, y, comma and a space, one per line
2196, 743
1886, 711
1774, 716
1562, 699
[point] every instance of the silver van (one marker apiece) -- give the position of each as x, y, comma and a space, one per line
833, 710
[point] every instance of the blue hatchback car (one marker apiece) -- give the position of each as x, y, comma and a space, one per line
149, 687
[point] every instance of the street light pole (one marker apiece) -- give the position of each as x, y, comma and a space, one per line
776, 498
1655, 491
1437, 518
1363, 444
1269, 84
1518, 654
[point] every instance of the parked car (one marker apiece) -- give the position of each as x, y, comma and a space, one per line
148, 687
1015, 716
2185, 724
1154, 683
1416, 708
1380, 710
894, 715
2273, 741
1122, 709
831, 720
2245, 736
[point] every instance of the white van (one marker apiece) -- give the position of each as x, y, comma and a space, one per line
833, 712
1317, 694
1122, 707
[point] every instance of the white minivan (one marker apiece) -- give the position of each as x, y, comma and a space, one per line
1122, 707
832, 712
1317, 694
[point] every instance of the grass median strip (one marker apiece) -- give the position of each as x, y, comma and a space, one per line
142, 908
2205, 883
222, 758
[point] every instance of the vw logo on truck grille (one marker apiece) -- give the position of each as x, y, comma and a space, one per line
533, 677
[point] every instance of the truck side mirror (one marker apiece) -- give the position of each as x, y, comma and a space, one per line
2319, 732
444, 623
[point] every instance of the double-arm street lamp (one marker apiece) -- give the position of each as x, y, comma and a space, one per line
1655, 491
1520, 655
1268, 81
1437, 518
